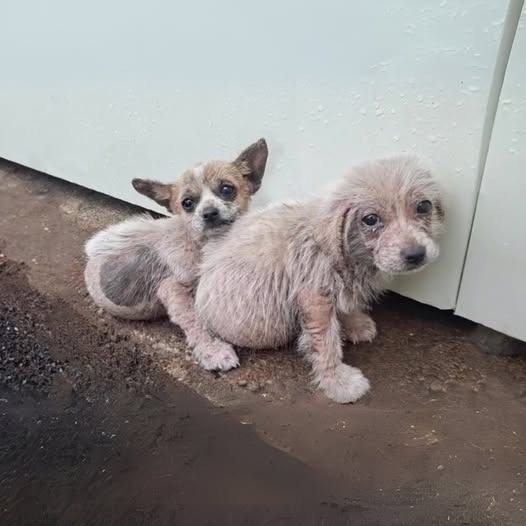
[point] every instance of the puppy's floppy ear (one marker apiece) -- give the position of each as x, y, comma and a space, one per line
252, 161
439, 206
159, 192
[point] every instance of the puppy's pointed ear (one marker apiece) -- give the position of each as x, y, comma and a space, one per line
161, 193
252, 161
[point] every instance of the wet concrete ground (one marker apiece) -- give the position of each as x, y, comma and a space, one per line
108, 422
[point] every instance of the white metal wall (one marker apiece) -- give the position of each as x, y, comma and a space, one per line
100, 92
493, 289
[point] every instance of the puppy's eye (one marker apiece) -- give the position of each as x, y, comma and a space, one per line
188, 204
371, 219
424, 207
227, 191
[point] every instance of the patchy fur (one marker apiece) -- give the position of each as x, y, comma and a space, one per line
143, 268
301, 271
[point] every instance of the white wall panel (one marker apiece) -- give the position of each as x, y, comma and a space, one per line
493, 289
100, 92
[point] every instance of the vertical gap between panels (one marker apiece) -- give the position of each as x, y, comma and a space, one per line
509, 31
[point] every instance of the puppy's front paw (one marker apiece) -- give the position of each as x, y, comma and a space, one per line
360, 328
216, 356
344, 384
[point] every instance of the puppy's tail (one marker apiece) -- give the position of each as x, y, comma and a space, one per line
121, 237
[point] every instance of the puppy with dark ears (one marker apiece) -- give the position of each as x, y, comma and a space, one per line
143, 268
308, 271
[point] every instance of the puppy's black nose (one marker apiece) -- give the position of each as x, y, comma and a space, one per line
211, 214
414, 255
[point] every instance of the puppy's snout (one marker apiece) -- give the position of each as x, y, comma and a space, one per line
210, 215
414, 255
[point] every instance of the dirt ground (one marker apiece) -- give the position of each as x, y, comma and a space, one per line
109, 422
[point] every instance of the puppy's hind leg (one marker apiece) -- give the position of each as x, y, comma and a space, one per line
210, 353
106, 284
321, 342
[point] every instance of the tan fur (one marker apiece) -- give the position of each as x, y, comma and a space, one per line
143, 268
308, 271
212, 174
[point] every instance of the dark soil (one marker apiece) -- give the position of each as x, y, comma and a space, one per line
92, 433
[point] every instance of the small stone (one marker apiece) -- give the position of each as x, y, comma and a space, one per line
440, 468
242, 383
253, 386
436, 387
